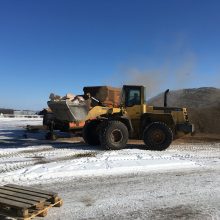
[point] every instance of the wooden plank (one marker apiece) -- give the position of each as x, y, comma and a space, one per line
31, 189
16, 199
32, 213
25, 192
15, 204
22, 196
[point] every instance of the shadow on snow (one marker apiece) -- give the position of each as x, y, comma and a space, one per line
22, 138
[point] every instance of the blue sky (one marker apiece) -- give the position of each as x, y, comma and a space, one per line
62, 45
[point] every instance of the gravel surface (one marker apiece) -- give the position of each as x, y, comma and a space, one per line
189, 194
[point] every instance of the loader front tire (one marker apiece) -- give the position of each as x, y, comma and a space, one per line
114, 135
157, 136
90, 133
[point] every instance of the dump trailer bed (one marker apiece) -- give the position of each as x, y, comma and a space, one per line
107, 95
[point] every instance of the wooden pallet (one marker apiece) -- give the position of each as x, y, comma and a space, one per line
25, 203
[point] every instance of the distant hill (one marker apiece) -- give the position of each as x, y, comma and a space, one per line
203, 105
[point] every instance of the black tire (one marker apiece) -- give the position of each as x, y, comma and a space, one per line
114, 135
90, 133
50, 136
157, 136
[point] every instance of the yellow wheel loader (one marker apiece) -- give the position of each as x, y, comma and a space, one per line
156, 126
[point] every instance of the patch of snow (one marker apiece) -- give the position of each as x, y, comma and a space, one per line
91, 166
43, 163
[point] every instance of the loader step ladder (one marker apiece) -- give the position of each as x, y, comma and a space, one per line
24, 203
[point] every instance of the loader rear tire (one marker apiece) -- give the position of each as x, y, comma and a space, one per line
114, 135
157, 136
90, 133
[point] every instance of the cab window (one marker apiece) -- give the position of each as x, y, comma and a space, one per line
133, 97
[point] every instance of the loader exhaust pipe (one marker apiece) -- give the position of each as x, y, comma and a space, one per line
165, 97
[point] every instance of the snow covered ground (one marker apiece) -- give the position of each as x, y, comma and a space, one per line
34, 163
31, 160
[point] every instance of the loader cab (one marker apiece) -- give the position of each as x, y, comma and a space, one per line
133, 95
133, 100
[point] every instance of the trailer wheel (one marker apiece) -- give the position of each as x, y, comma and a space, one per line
90, 133
51, 136
114, 135
157, 136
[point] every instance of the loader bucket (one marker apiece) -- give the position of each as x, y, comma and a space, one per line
65, 110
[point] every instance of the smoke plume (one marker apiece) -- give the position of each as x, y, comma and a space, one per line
171, 74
